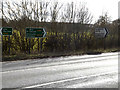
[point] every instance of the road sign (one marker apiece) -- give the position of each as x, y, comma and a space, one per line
7, 31
101, 32
35, 32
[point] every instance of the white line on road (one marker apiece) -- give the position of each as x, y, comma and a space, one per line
72, 79
95, 83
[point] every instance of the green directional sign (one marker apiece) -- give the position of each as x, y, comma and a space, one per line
7, 31
35, 32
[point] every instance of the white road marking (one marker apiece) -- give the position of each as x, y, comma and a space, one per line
72, 79
89, 84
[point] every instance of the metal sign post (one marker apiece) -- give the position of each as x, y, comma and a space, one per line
35, 33
29, 44
9, 43
101, 33
7, 31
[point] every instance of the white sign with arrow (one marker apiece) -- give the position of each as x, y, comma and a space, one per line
101, 32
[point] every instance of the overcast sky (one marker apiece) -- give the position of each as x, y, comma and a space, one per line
96, 7
119, 10
99, 7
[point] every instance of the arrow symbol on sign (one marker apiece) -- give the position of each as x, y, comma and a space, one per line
101, 32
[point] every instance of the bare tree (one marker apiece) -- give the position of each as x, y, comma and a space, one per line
83, 15
44, 11
69, 13
103, 20
54, 11
73, 13
7, 11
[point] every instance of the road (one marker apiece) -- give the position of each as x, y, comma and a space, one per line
87, 71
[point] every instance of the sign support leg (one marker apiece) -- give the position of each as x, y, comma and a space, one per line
29, 45
38, 46
9, 43
104, 44
41, 45
1, 47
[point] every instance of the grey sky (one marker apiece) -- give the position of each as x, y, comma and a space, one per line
119, 9
96, 7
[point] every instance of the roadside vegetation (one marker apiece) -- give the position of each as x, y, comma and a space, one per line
69, 30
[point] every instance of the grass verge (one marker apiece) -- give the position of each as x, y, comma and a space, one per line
22, 56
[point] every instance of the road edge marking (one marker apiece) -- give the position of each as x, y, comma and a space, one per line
65, 80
